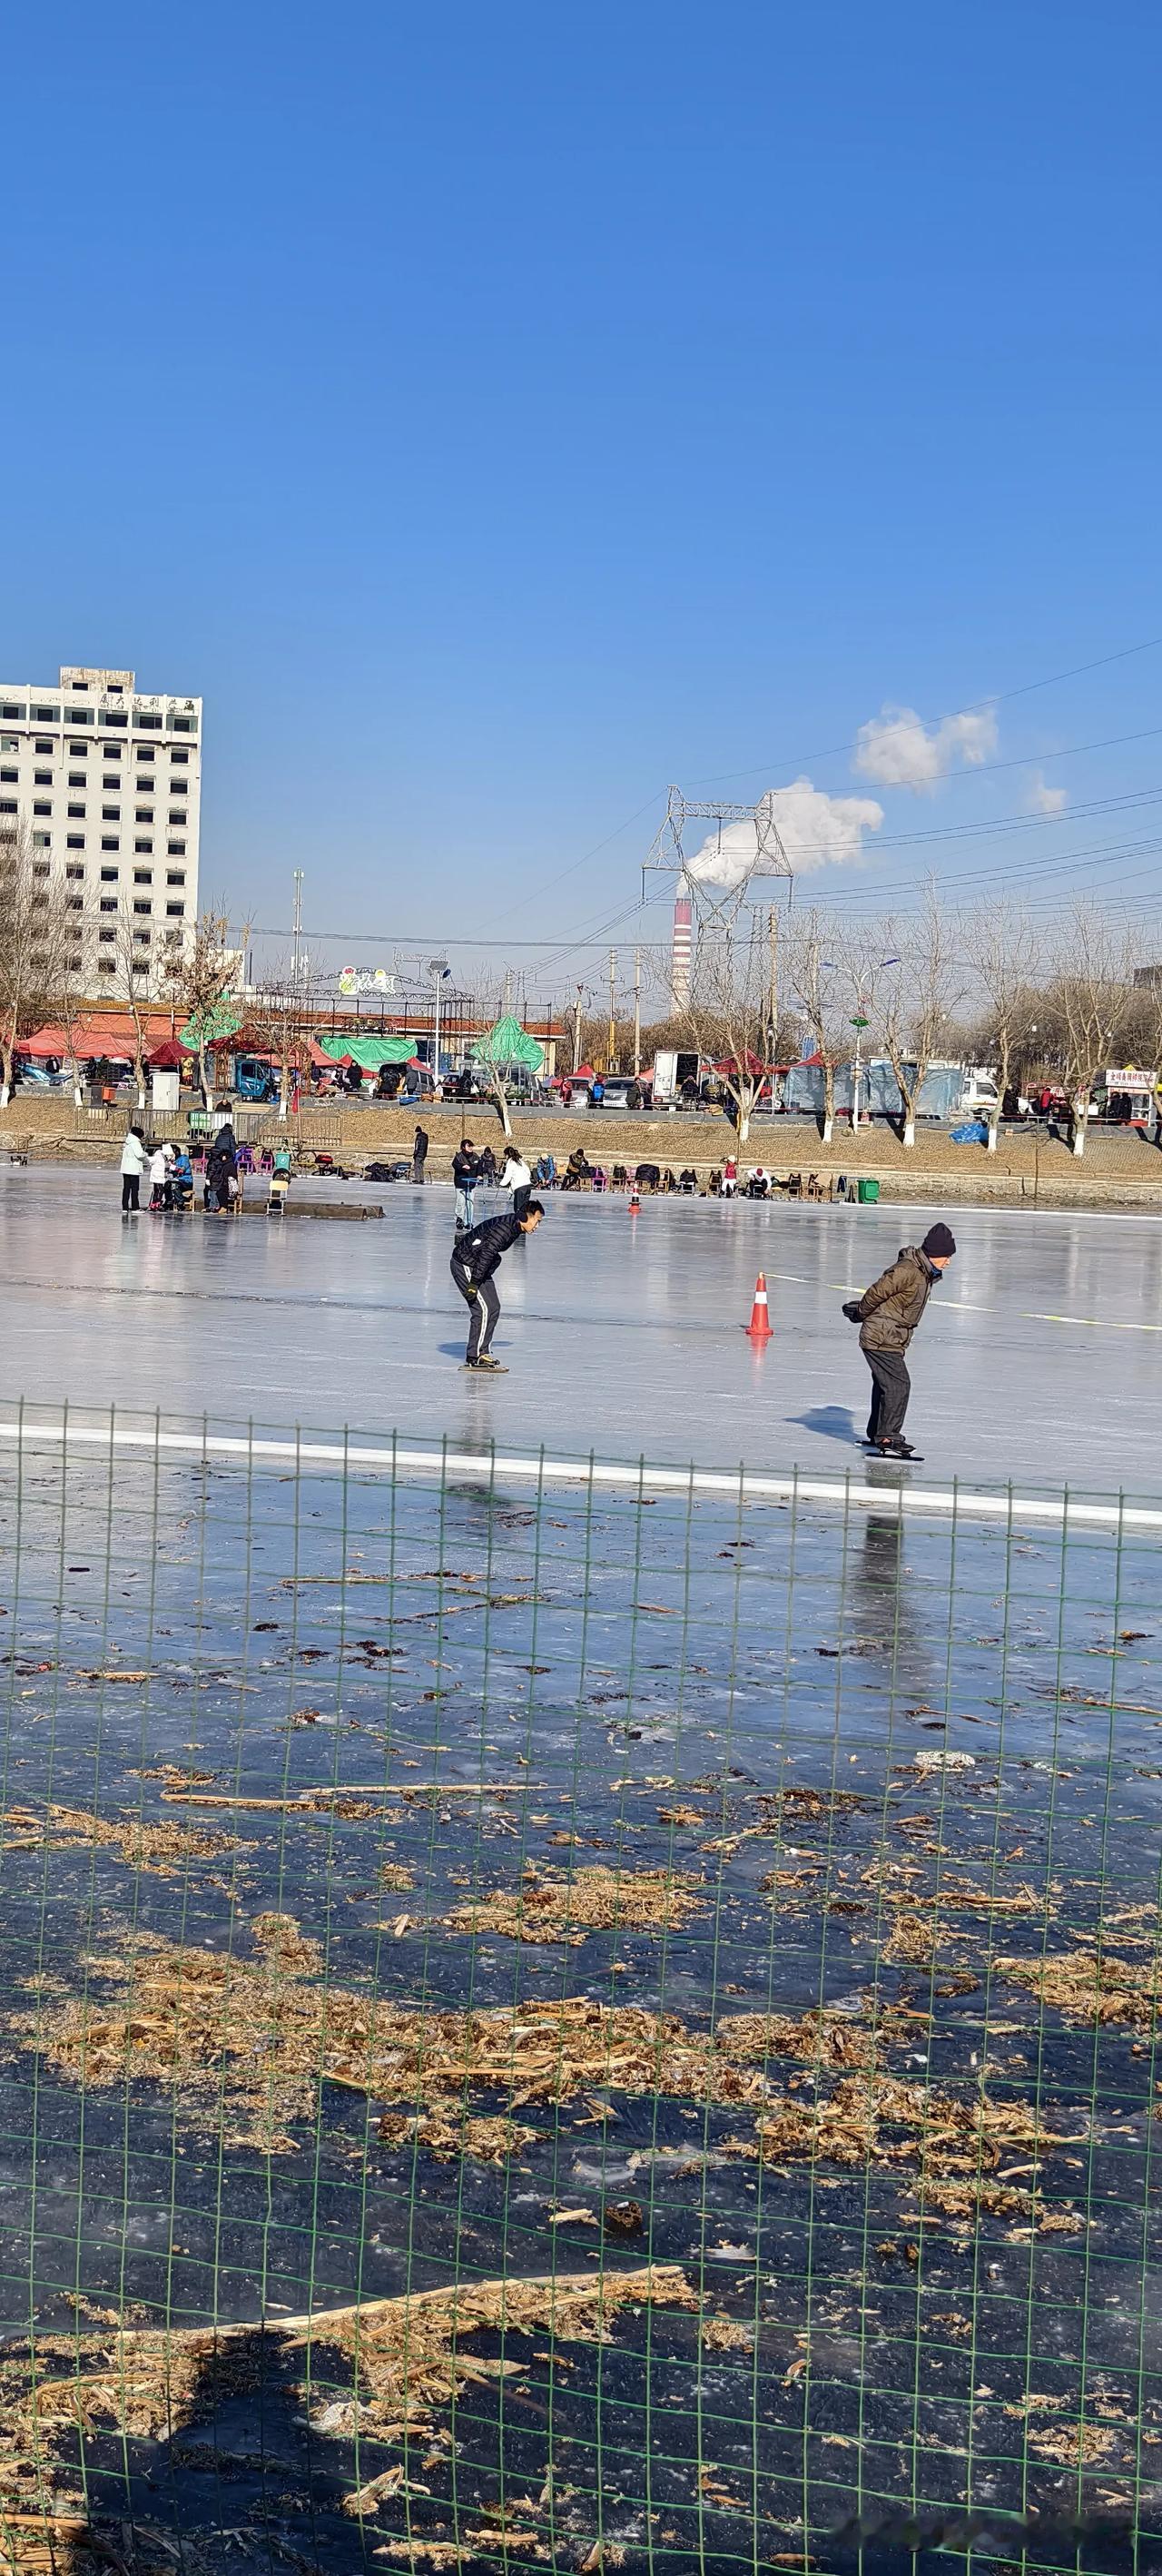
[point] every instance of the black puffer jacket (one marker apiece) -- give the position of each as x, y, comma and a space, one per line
479, 1251
891, 1308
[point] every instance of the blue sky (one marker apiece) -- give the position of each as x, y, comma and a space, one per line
496, 414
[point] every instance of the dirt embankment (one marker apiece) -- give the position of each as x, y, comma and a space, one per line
1030, 1167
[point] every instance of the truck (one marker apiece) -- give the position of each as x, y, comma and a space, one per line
672, 1067
947, 1091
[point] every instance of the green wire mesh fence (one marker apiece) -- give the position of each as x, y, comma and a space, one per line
555, 2022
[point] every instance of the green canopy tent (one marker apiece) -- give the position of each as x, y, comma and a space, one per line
508, 1043
370, 1054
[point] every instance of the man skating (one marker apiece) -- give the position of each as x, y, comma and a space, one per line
888, 1314
473, 1263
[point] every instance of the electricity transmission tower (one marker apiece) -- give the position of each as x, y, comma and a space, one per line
718, 881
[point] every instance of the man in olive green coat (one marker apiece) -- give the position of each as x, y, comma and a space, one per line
888, 1314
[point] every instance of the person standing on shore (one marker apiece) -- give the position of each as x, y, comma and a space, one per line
888, 1314
419, 1155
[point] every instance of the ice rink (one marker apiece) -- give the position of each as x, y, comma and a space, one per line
1039, 1358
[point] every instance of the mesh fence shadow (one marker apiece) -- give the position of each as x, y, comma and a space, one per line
574, 2027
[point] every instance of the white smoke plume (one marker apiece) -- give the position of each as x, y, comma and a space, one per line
1043, 799
816, 831
897, 749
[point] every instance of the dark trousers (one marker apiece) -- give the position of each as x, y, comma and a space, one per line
418, 1161
130, 1193
483, 1310
520, 1199
891, 1388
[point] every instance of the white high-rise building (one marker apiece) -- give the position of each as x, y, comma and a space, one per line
108, 782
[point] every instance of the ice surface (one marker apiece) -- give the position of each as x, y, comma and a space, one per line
1038, 1358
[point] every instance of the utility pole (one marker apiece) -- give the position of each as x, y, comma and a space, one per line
577, 1028
298, 929
773, 988
507, 992
637, 1010
611, 1051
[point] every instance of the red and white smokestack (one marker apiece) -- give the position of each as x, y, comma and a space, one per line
682, 946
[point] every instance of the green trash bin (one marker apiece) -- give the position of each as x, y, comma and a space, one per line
868, 1191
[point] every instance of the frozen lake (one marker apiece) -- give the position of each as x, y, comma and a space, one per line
1038, 1359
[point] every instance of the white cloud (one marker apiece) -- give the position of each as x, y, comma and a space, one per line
1043, 799
816, 830
897, 749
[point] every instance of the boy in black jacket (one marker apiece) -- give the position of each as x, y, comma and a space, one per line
473, 1263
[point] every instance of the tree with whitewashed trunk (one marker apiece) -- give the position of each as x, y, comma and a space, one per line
730, 1014
920, 997
1090, 988
37, 934
1004, 948
203, 983
134, 975
819, 978
281, 1024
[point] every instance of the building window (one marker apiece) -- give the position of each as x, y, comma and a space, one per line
7, 804
175, 876
77, 778
109, 841
144, 814
46, 715
42, 840
111, 716
143, 876
43, 806
141, 938
42, 778
76, 813
9, 777
183, 724
146, 723
109, 876
145, 908
105, 936
145, 850
147, 752
13, 715
78, 715
110, 813
75, 841
75, 873
74, 965
179, 759
176, 849
109, 904
177, 814
44, 746
106, 965
41, 868
74, 903
175, 911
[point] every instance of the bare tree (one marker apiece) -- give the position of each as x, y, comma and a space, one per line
730, 1013
37, 934
820, 982
203, 983
919, 1000
277, 1013
1091, 990
134, 976
1003, 947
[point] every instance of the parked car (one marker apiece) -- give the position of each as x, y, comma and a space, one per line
617, 1088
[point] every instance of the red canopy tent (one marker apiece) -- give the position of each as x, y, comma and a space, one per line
169, 1057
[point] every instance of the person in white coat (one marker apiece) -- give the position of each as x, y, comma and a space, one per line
516, 1176
133, 1162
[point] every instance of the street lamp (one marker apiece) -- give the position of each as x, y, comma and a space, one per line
439, 970
859, 1025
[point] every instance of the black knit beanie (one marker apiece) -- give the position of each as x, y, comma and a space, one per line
939, 1243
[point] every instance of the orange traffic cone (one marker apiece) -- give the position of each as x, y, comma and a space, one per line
635, 1205
759, 1326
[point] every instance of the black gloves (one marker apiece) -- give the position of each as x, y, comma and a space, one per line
851, 1310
